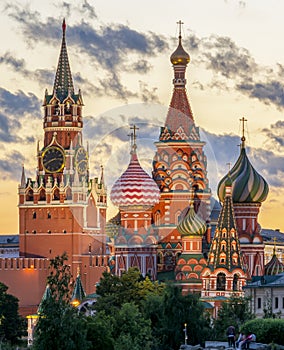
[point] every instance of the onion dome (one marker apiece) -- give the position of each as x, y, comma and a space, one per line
180, 56
274, 266
135, 186
191, 224
248, 186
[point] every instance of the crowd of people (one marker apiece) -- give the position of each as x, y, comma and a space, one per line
242, 342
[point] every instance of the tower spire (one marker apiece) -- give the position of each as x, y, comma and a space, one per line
63, 83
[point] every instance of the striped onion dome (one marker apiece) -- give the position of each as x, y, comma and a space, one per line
191, 224
274, 266
135, 186
248, 186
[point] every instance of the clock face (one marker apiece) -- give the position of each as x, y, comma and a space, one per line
53, 159
81, 160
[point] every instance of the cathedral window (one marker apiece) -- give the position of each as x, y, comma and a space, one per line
235, 282
244, 224
157, 218
56, 195
42, 196
30, 195
221, 281
69, 194
222, 258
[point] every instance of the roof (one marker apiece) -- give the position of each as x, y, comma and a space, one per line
248, 186
225, 247
9, 240
266, 281
135, 186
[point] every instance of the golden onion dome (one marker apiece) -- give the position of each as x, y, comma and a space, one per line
180, 56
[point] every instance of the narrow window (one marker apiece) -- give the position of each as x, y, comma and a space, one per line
276, 302
259, 303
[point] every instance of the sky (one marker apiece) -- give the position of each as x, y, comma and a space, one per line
119, 56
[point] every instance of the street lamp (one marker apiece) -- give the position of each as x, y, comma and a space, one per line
185, 334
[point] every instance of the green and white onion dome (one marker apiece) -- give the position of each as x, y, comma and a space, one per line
248, 186
192, 224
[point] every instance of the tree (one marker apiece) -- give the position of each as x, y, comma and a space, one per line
12, 325
100, 331
235, 312
130, 287
170, 312
131, 330
60, 326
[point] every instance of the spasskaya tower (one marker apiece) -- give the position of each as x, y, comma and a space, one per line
62, 209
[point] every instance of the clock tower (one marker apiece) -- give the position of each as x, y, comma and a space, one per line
62, 209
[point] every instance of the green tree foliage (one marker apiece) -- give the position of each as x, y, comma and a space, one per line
12, 325
60, 326
235, 312
266, 330
148, 314
100, 331
132, 330
131, 287
169, 313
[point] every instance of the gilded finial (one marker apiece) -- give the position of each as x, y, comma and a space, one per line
180, 23
274, 248
243, 120
133, 137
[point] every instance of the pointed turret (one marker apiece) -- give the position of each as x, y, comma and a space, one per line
63, 83
23, 177
180, 118
274, 266
78, 292
46, 296
225, 247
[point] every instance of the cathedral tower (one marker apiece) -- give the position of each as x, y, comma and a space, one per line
135, 193
179, 165
225, 275
249, 190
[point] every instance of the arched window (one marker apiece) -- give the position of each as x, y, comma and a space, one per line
235, 282
157, 218
56, 195
42, 196
68, 194
30, 195
221, 281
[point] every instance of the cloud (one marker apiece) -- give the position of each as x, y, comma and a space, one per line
10, 167
234, 67
112, 46
275, 136
19, 103
270, 92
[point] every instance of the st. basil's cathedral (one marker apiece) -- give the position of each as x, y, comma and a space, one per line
164, 223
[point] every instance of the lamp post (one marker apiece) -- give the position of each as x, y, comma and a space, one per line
185, 334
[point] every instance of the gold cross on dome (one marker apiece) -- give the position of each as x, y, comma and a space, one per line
180, 23
243, 120
134, 128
